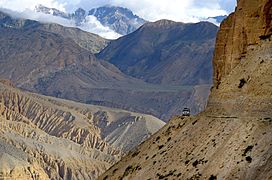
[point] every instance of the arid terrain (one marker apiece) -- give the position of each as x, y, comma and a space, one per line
58, 61
48, 138
232, 138
74, 105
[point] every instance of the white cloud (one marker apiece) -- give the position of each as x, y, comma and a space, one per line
46, 18
94, 26
213, 20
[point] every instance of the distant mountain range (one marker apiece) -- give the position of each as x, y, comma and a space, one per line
119, 19
46, 59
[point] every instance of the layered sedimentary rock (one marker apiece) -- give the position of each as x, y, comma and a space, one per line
232, 138
50, 138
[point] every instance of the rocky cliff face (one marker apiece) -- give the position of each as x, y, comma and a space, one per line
232, 138
49, 138
248, 26
243, 42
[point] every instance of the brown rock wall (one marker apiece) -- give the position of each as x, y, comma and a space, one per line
250, 24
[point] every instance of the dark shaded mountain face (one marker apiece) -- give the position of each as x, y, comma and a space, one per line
121, 20
166, 52
38, 60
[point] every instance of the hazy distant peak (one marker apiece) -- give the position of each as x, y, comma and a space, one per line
53, 11
119, 19
116, 20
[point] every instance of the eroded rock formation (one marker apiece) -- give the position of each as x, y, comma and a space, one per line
50, 138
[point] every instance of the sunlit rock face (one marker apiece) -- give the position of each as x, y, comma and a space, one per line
232, 138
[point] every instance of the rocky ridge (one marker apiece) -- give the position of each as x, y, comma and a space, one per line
232, 138
49, 138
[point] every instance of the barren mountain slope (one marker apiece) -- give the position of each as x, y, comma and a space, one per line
54, 138
166, 52
33, 57
232, 139
86, 40
89, 41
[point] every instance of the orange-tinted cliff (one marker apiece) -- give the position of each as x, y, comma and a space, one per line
249, 25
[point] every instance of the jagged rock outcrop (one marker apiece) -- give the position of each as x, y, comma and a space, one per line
232, 138
49, 138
